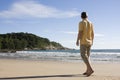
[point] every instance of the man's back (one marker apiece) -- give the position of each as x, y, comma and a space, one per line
86, 28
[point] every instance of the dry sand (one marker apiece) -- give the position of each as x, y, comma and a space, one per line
51, 70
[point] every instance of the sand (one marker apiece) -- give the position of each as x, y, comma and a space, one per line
53, 70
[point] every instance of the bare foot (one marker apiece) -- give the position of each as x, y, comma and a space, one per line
89, 73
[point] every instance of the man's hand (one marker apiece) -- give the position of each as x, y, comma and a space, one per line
77, 42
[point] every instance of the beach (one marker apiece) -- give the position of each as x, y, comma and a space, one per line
14, 69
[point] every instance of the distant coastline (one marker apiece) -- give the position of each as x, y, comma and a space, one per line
12, 42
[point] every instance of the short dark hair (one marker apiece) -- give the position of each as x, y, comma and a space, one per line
84, 15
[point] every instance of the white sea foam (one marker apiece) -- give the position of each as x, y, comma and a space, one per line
62, 55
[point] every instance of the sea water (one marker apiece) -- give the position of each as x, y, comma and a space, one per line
97, 55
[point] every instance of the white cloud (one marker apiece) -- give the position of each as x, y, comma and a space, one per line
8, 22
75, 33
99, 35
34, 9
69, 32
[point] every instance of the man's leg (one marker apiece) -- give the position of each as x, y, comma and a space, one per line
90, 70
88, 51
85, 58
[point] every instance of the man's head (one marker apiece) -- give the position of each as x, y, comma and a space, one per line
84, 15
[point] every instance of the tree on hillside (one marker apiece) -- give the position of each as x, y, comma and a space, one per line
20, 41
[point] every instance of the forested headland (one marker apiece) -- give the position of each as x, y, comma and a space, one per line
26, 41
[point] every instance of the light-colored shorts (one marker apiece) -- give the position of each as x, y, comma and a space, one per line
85, 52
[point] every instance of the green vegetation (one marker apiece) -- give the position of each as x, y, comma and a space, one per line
22, 41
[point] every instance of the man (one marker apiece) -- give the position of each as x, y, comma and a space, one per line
85, 37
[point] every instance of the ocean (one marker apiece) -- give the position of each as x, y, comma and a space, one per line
97, 55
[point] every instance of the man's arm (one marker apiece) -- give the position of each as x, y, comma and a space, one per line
78, 37
92, 35
92, 32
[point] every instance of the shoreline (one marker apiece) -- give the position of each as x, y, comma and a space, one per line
61, 61
55, 70
64, 56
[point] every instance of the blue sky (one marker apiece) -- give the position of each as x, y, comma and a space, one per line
58, 20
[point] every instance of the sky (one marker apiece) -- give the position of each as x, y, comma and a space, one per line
58, 20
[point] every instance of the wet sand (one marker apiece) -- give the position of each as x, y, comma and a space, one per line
53, 70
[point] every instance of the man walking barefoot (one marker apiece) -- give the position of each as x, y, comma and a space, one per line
85, 37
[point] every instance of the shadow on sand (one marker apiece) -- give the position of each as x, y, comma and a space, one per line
46, 76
